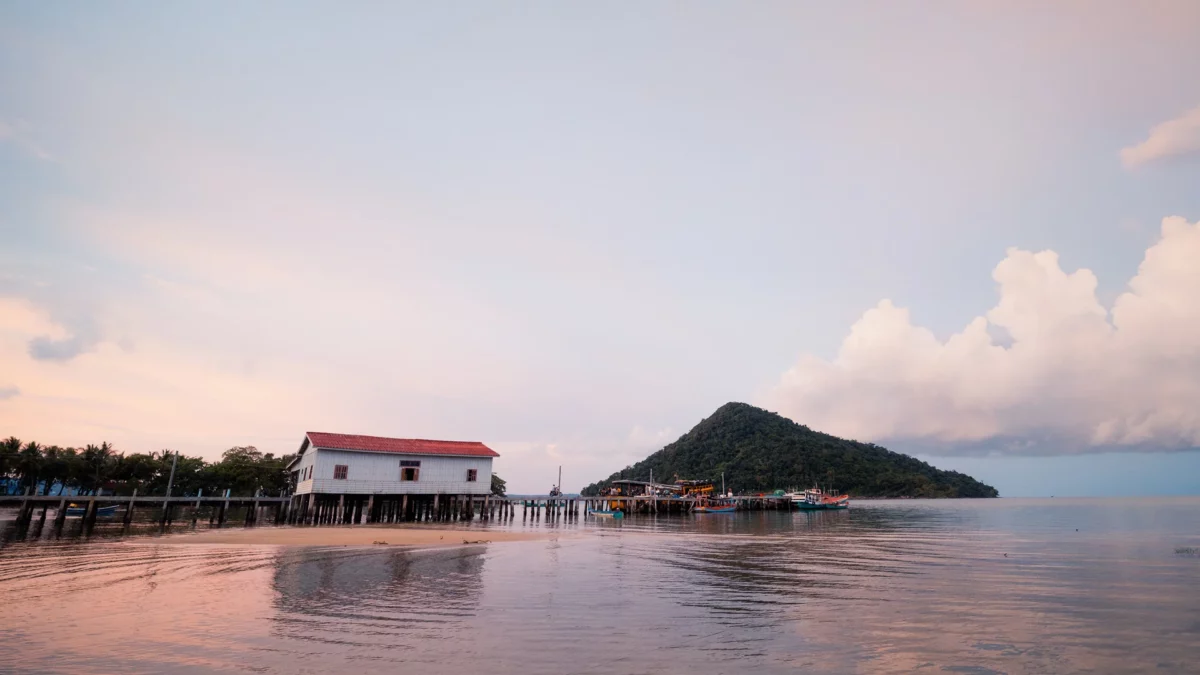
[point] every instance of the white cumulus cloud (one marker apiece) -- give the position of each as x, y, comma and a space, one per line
1075, 376
1179, 137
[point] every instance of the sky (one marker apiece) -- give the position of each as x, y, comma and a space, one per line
966, 231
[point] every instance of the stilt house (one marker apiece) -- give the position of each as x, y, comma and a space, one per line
348, 464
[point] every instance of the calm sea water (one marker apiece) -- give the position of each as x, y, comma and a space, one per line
988, 586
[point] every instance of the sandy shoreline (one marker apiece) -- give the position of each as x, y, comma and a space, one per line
361, 535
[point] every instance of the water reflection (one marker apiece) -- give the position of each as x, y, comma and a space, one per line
885, 587
349, 596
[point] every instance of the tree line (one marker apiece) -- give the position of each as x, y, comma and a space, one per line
50, 469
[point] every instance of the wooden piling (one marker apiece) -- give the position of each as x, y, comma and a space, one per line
89, 515
42, 519
60, 517
196, 509
21, 512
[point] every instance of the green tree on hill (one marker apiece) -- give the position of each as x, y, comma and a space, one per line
760, 451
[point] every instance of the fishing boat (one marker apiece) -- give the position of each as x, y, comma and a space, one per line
715, 505
101, 511
715, 508
609, 510
818, 500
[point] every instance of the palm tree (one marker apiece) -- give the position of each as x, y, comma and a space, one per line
29, 464
8, 459
97, 459
74, 468
54, 468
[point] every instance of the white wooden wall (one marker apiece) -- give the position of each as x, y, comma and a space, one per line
379, 473
306, 460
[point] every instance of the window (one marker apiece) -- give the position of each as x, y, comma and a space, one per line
339, 471
410, 469
472, 474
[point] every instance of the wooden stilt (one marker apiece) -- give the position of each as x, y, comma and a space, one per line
23, 509
60, 516
128, 519
89, 515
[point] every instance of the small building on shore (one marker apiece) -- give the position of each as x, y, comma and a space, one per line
349, 464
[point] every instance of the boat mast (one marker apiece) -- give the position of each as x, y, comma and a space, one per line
722, 483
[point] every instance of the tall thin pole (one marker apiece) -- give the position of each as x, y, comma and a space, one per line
722, 483
171, 479
560, 478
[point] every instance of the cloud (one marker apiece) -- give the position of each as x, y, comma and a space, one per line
59, 321
46, 348
9, 392
18, 134
1073, 376
1175, 138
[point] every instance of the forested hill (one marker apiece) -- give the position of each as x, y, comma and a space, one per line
761, 451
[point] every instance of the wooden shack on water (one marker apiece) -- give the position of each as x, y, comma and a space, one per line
357, 478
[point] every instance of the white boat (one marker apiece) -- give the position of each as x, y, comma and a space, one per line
817, 500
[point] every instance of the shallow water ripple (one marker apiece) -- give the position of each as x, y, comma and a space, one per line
997, 586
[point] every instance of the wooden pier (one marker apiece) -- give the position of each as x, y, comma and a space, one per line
166, 509
315, 509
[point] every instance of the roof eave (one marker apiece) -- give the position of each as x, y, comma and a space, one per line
494, 454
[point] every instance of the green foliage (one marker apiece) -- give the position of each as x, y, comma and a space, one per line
243, 470
499, 486
760, 451
246, 470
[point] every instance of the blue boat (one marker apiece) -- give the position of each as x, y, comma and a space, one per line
606, 513
101, 511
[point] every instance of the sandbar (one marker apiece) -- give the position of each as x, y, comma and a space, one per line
356, 535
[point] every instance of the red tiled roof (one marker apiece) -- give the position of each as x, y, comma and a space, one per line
404, 446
